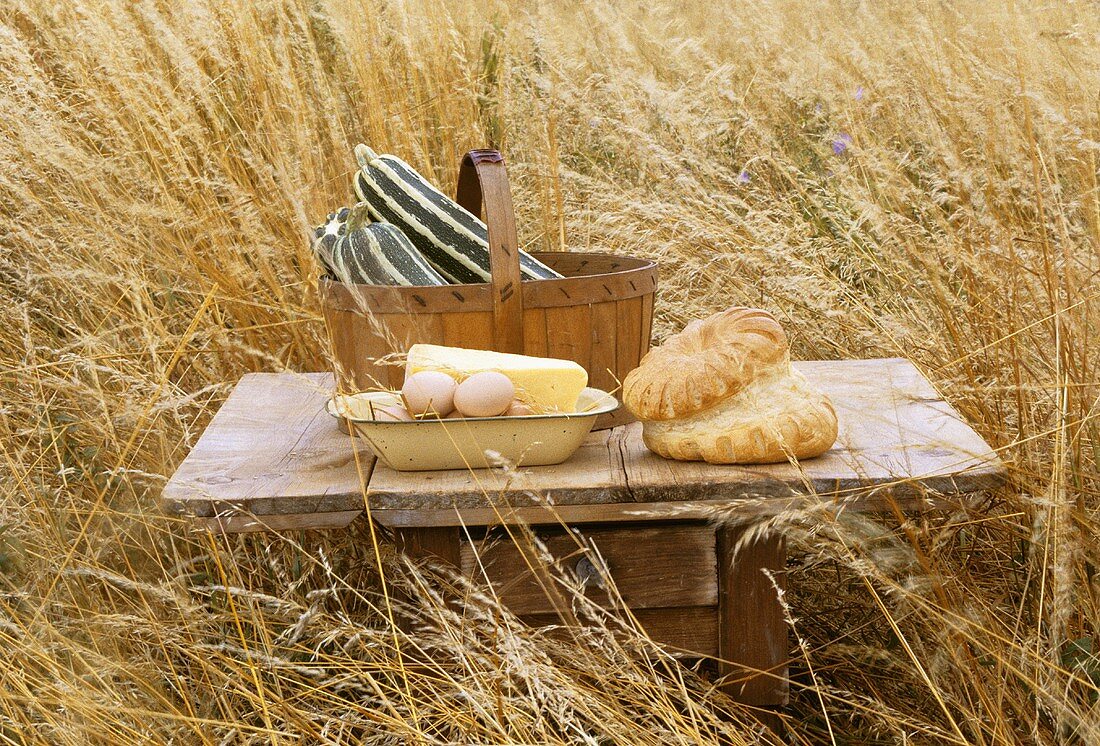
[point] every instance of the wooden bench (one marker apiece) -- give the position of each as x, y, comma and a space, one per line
272, 459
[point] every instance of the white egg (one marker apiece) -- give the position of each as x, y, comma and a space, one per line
429, 392
485, 394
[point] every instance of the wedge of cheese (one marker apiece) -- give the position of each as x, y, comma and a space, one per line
545, 384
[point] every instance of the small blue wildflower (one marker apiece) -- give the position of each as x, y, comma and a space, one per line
841, 143
859, 94
743, 177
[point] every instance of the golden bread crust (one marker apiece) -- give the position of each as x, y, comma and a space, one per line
771, 421
709, 361
723, 391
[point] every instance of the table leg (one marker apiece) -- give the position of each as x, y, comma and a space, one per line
752, 633
441, 542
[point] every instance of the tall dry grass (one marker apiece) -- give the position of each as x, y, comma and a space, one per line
890, 178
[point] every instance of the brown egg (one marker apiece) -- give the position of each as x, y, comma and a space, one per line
518, 409
429, 392
390, 413
485, 394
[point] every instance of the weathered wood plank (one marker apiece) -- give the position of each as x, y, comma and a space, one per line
897, 441
655, 511
752, 641
419, 544
271, 449
895, 437
650, 566
688, 631
248, 524
423, 543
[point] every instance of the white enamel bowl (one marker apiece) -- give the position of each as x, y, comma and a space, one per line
432, 444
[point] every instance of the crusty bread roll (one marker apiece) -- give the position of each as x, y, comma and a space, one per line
723, 391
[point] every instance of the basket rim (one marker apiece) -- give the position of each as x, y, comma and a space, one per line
620, 284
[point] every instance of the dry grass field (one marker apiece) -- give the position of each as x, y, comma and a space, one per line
888, 178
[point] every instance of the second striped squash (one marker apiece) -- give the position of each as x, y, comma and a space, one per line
378, 254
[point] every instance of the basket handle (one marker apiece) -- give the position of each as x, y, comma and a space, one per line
483, 181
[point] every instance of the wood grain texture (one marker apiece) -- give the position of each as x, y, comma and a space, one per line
250, 524
651, 566
426, 543
628, 334
472, 330
271, 449
646, 333
400, 299
547, 514
590, 279
354, 340
752, 641
690, 631
620, 512
897, 440
487, 167
534, 332
603, 368
569, 334
405, 330
595, 263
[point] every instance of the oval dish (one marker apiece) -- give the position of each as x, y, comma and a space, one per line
462, 443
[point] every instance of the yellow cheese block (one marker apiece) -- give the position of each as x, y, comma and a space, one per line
545, 384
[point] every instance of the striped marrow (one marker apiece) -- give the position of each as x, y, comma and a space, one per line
379, 254
454, 240
325, 237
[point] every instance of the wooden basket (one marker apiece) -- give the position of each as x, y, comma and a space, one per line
599, 315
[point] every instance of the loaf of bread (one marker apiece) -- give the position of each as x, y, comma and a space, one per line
723, 391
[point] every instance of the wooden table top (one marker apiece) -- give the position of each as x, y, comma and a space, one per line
272, 458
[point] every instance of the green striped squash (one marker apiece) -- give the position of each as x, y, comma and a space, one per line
325, 237
453, 239
379, 254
